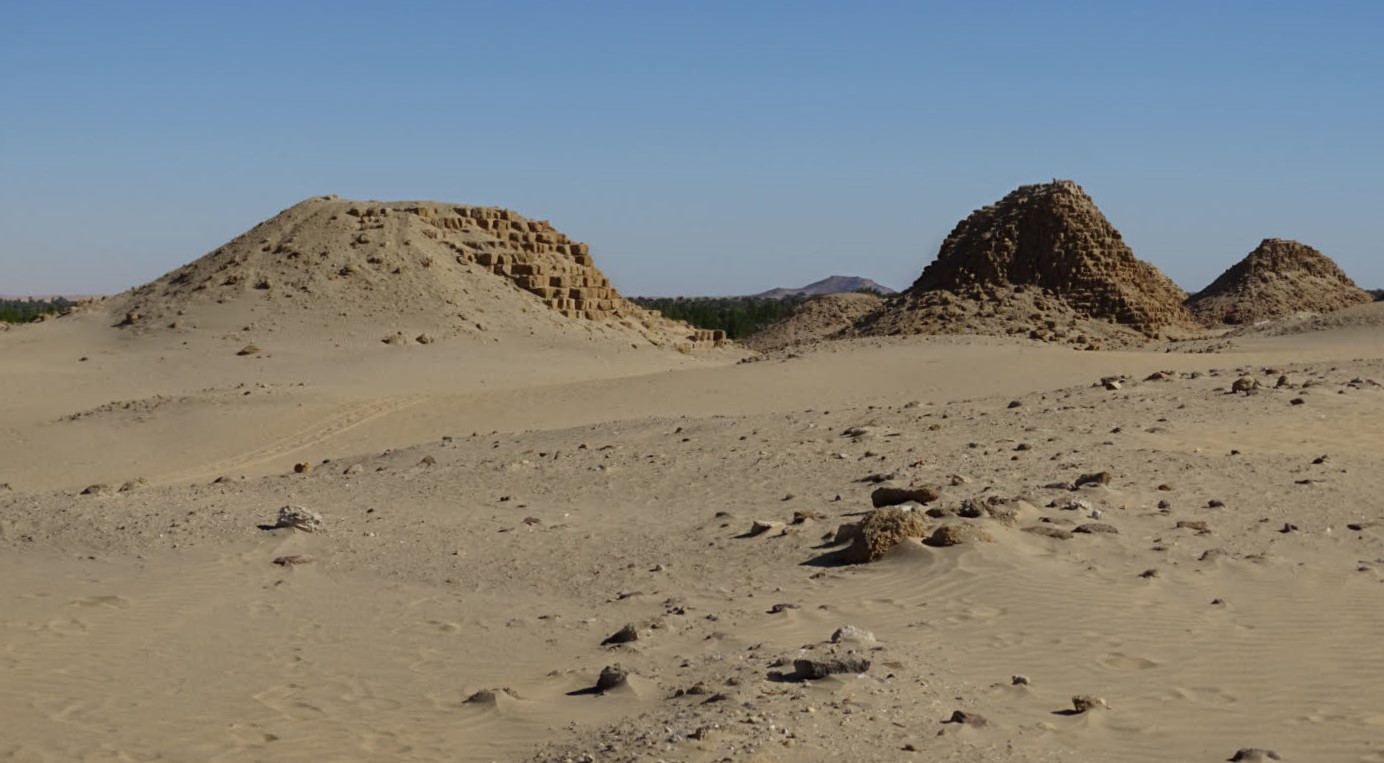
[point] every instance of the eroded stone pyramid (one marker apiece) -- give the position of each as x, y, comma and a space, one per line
1052, 236
428, 261
1278, 278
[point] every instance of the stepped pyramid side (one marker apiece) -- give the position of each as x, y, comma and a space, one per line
1054, 237
1280, 277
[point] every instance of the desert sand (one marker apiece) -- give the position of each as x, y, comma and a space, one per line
548, 536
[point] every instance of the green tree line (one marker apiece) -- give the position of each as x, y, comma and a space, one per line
737, 316
25, 310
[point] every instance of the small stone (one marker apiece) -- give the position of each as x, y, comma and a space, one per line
1085, 703
1019, 681
968, 719
623, 636
97, 489
1245, 384
353, 469
302, 468
248, 349
1096, 528
956, 535
1253, 755
1215, 503
853, 634
299, 518
1112, 384
809, 669
759, 527
879, 532
1297, 401
1201, 527
1015, 403
612, 677
1099, 478
293, 560
893, 496
781, 608
424, 339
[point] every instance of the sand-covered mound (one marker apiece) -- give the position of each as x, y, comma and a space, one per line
1277, 279
1050, 237
425, 264
815, 319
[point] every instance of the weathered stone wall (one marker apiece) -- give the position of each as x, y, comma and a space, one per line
540, 260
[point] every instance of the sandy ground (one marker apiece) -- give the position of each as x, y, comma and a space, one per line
496, 506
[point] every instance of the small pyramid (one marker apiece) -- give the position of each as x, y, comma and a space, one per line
1278, 278
1052, 236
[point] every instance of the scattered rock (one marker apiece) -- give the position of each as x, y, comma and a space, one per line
880, 532
623, 636
812, 669
97, 489
1253, 755
853, 634
1245, 384
760, 527
955, 535
424, 339
968, 719
1096, 528
302, 468
299, 518
292, 560
612, 677
893, 496
1018, 681
249, 349
1085, 703
1099, 478
137, 483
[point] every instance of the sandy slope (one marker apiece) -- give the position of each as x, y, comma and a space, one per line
588, 484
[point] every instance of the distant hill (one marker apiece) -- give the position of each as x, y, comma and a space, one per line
829, 285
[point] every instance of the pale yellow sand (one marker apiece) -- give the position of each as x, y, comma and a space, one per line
151, 624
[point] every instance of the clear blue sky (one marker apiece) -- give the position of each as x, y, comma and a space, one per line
699, 147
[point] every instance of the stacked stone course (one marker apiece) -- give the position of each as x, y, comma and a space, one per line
1053, 236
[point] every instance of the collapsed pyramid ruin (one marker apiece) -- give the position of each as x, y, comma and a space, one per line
1280, 277
1049, 238
328, 255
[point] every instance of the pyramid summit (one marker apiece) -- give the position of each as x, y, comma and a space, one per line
1053, 236
1280, 277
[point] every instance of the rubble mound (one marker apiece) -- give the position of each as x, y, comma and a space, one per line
436, 263
1279, 278
1050, 238
814, 320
